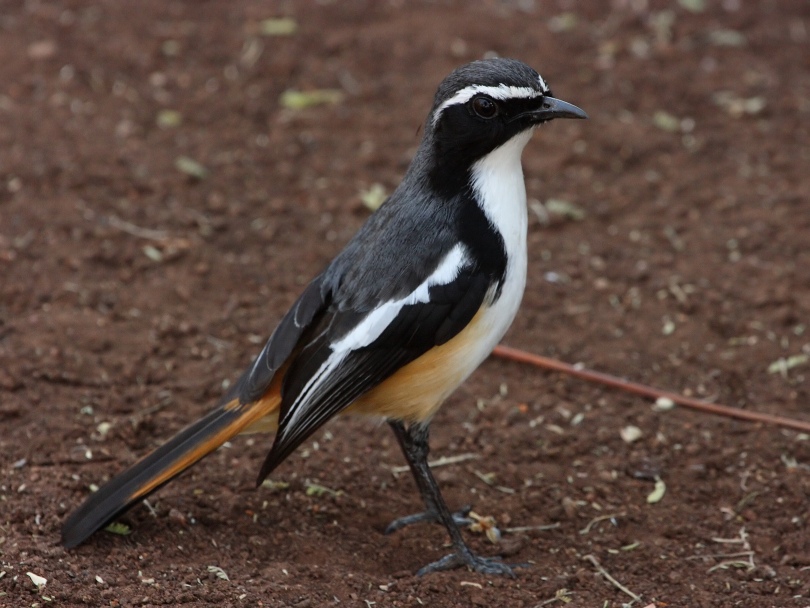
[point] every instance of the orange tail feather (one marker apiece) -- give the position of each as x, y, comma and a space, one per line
165, 463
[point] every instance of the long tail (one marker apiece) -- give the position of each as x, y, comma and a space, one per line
165, 463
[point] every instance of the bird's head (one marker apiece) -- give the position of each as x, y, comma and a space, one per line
484, 104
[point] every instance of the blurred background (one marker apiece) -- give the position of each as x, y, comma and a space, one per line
172, 174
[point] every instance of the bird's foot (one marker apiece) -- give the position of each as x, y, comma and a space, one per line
460, 517
476, 563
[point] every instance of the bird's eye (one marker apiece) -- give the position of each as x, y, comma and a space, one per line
484, 107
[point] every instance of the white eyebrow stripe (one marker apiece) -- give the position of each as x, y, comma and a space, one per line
502, 91
543, 84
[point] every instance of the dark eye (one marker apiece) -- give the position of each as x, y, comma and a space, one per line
484, 107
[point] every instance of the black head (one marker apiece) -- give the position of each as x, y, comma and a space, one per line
484, 104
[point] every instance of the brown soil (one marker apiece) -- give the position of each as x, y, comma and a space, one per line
131, 291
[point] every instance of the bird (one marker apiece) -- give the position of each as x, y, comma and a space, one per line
415, 302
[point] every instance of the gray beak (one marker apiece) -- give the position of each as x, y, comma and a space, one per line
557, 108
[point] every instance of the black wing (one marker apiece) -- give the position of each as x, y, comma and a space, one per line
311, 305
316, 388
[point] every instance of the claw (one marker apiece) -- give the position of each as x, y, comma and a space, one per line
476, 563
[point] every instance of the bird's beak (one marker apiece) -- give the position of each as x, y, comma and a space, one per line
556, 108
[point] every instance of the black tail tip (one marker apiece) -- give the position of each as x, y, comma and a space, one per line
71, 537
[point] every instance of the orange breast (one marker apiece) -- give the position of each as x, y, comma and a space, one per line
415, 391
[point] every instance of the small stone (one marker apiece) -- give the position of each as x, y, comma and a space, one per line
43, 49
630, 433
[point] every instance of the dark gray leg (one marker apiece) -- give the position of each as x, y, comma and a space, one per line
414, 443
431, 514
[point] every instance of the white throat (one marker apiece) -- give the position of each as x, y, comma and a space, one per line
497, 180
501, 193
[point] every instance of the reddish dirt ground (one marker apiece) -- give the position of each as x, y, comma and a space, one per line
131, 291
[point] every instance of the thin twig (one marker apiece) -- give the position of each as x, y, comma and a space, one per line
514, 354
596, 520
489, 480
748, 552
720, 555
141, 233
152, 510
562, 595
733, 564
440, 462
612, 580
531, 528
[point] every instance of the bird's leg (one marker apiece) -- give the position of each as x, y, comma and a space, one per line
431, 513
414, 443
429, 493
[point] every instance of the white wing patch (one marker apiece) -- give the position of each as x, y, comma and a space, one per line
502, 91
372, 326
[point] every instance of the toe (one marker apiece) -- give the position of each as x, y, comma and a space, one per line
483, 565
